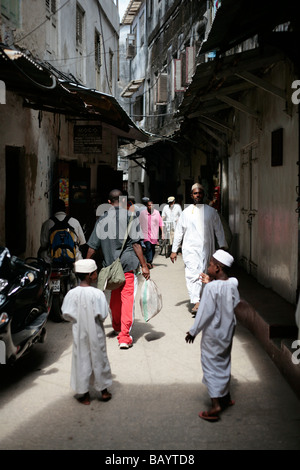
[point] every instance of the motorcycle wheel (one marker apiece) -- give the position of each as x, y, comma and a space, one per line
55, 312
57, 300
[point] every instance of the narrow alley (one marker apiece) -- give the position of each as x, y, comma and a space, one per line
157, 391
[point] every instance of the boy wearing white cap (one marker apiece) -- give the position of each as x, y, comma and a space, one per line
216, 319
86, 307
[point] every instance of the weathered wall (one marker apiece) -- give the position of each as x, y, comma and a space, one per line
20, 128
276, 240
47, 137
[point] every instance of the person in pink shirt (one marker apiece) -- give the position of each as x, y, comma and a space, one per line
151, 222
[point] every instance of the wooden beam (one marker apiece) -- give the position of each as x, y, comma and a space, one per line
256, 62
229, 90
254, 80
240, 106
208, 110
215, 124
209, 142
212, 134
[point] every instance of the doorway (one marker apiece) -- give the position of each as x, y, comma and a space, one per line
249, 211
15, 200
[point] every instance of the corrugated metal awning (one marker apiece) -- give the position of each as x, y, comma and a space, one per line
43, 89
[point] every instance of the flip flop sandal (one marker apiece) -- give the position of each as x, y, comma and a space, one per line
106, 396
207, 417
85, 399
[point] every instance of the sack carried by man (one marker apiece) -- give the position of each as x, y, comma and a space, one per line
150, 300
112, 277
63, 240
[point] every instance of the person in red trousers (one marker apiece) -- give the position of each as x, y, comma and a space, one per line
108, 235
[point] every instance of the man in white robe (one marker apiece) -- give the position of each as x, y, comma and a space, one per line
86, 307
216, 319
197, 226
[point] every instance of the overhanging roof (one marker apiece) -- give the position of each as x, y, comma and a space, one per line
132, 88
236, 21
44, 90
217, 83
218, 87
131, 11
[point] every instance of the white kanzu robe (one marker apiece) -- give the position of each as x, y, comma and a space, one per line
86, 308
216, 319
198, 226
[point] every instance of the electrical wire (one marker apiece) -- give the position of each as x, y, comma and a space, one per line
40, 85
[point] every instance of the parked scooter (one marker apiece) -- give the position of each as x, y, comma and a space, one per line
25, 302
62, 280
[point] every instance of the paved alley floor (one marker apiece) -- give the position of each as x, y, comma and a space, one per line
157, 391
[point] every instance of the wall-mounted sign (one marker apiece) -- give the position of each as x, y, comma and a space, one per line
87, 139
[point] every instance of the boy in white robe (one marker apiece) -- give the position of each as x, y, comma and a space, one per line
86, 307
216, 319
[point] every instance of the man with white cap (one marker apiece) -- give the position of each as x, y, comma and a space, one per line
198, 226
86, 307
216, 319
170, 215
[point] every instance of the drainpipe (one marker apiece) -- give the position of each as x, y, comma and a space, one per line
298, 212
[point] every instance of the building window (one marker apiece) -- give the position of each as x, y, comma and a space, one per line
79, 26
138, 109
111, 57
51, 6
277, 148
98, 50
11, 10
142, 29
51, 33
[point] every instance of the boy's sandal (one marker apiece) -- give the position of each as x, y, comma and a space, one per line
106, 396
85, 399
205, 415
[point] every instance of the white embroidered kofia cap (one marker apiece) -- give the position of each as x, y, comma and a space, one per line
85, 266
224, 257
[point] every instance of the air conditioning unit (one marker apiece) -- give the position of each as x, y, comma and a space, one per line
130, 46
178, 75
190, 63
162, 89
130, 51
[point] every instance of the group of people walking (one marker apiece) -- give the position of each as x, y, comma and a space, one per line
212, 293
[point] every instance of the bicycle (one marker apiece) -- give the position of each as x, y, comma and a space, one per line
165, 245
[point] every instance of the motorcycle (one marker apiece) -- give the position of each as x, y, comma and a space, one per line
62, 279
25, 303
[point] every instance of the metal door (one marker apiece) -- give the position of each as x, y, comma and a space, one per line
249, 205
